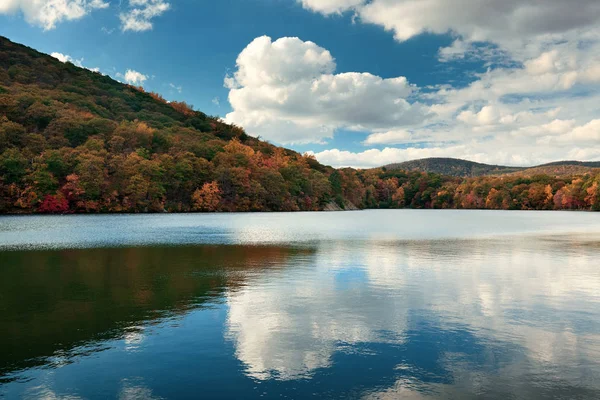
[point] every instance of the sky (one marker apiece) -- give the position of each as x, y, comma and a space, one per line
359, 83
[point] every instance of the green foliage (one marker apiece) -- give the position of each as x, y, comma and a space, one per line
335, 180
13, 166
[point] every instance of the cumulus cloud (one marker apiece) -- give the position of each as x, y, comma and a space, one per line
475, 20
376, 158
286, 90
515, 149
133, 77
585, 134
537, 101
48, 13
140, 14
330, 6
67, 58
389, 137
490, 54
515, 112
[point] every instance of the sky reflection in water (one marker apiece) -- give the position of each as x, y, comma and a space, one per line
357, 309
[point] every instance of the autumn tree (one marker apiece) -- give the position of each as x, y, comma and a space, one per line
592, 198
399, 198
207, 198
54, 204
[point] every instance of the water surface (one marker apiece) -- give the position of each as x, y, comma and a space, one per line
370, 304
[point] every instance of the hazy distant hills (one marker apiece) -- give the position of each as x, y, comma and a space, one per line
464, 168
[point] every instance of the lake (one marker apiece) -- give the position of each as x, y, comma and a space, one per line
374, 304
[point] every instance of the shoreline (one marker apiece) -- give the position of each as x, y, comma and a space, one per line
37, 214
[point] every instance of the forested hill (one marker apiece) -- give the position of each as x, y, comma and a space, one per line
453, 167
464, 168
76, 141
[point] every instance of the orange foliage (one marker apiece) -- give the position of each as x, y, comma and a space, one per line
157, 97
207, 198
183, 108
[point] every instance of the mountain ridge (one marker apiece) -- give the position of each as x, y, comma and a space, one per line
465, 168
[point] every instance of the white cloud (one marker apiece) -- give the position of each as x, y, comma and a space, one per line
486, 116
48, 13
285, 61
518, 150
475, 20
389, 137
216, 101
133, 77
537, 102
179, 89
486, 52
458, 49
511, 134
330, 6
140, 14
229, 82
67, 58
287, 91
588, 133
376, 158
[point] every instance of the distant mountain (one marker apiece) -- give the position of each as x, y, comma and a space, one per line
464, 168
453, 167
589, 164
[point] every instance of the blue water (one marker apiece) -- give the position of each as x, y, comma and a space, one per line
369, 304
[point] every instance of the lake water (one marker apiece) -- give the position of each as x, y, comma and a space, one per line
368, 304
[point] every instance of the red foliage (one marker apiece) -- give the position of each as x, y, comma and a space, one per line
54, 204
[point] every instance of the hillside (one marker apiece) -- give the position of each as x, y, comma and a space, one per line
464, 168
452, 167
72, 139
76, 141
587, 164
559, 169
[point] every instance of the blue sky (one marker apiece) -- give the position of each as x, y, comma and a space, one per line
359, 83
